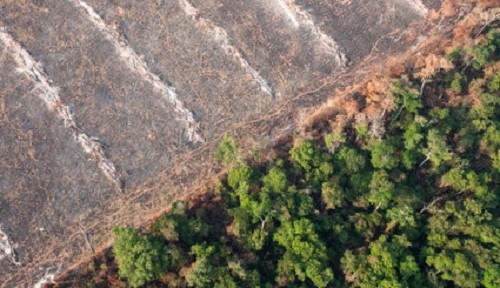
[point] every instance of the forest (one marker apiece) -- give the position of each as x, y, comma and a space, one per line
410, 203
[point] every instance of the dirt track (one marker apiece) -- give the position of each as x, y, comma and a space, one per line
152, 85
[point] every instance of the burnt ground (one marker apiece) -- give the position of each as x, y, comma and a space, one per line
57, 202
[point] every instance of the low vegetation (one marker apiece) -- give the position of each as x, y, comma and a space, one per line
415, 207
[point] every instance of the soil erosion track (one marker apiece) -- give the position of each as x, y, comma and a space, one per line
101, 99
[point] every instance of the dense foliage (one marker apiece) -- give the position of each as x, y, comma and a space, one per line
142, 258
416, 207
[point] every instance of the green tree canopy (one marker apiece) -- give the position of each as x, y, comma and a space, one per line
305, 255
142, 258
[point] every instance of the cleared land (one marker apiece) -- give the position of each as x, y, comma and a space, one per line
153, 85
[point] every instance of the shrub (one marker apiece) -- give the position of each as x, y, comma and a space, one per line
227, 152
335, 139
455, 55
458, 84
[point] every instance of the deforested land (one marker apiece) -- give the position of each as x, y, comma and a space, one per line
277, 143
405, 199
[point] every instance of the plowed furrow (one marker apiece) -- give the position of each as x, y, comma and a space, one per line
137, 65
50, 95
220, 35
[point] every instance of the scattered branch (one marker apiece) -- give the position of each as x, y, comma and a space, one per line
428, 206
85, 236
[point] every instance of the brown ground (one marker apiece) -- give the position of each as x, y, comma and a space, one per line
57, 205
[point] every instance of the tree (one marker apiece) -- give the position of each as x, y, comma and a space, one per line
241, 223
315, 163
455, 267
257, 206
388, 264
335, 139
359, 185
404, 216
455, 178
366, 224
383, 154
142, 258
204, 272
275, 181
406, 99
494, 83
486, 50
254, 211
352, 159
239, 175
361, 129
461, 181
306, 155
437, 151
179, 228
491, 276
412, 136
332, 194
213, 268
459, 241
490, 143
441, 119
381, 189
305, 255
409, 158
456, 54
